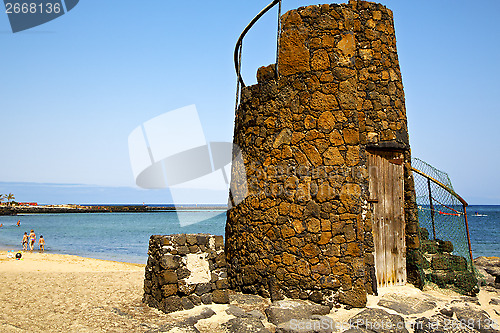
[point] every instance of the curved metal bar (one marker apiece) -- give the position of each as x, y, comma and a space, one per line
237, 63
446, 188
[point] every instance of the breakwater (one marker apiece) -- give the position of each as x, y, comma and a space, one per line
62, 209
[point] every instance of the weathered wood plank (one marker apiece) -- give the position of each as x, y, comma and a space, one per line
386, 195
401, 241
389, 211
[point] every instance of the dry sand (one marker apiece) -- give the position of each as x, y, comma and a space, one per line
63, 293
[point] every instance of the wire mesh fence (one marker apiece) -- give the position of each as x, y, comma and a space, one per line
440, 211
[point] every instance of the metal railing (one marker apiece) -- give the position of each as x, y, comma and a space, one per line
239, 45
433, 200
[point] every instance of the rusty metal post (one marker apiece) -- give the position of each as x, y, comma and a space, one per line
468, 237
432, 208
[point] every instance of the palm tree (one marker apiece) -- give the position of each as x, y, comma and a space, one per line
10, 197
2, 198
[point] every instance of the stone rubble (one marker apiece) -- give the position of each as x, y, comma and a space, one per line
420, 313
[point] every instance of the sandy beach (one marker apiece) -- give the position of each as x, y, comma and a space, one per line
62, 293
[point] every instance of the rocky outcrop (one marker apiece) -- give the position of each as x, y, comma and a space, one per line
488, 270
408, 310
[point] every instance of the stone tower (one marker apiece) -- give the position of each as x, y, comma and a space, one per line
330, 203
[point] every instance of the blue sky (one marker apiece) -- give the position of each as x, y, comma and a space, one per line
73, 89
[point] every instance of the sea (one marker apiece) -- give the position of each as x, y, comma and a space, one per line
125, 236
109, 236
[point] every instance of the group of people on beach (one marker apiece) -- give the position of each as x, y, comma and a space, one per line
31, 240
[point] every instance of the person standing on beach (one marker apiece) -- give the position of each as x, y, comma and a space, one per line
41, 243
32, 240
25, 241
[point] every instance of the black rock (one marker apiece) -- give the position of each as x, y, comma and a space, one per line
286, 310
405, 304
182, 273
424, 234
475, 318
256, 314
195, 299
440, 323
194, 249
316, 296
180, 239
191, 321
220, 296
170, 262
171, 304
203, 288
245, 325
378, 320
202, 240
447, 312
317, 324
236, 311
206, 299
187, 304
183, 250
191, 239
429, 246
220, 260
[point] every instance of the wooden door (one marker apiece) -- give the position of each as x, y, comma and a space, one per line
386, 197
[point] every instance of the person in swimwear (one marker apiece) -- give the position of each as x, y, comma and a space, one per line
41, 243
25, 241
32, 239
18, 223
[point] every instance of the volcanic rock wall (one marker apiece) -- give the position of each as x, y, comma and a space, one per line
304, 229
185, 270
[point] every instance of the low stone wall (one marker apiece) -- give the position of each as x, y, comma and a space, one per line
184, 271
